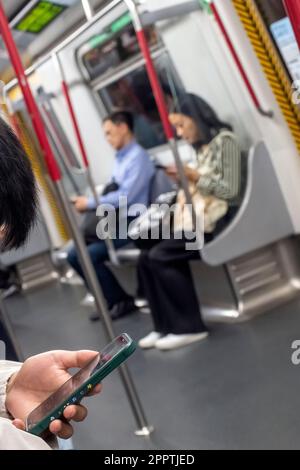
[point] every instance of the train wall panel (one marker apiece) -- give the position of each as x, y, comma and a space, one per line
275, 131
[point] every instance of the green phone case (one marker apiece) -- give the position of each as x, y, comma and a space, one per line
85, 389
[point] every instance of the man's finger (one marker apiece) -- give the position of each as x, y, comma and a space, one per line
76, 413
71, 359
61, 430
95, 391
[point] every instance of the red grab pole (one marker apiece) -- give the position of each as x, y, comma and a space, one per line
235, 56
28, 96
151, 71
238, 63
292, 8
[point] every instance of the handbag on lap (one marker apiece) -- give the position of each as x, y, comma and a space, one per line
151, 222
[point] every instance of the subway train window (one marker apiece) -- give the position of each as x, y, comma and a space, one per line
119, 78
133, 91
116, 45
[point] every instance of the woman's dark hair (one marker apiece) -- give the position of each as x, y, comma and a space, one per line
18, 191
121, 117
204, 116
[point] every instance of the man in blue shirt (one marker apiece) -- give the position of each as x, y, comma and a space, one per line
132, 175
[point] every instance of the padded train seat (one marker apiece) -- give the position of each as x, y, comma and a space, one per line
263, 217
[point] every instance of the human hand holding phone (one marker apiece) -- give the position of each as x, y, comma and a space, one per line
53, 395
38, 378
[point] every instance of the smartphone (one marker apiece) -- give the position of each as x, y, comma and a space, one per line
80, 384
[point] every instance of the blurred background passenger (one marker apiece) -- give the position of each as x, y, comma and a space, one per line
132, 175
164, 269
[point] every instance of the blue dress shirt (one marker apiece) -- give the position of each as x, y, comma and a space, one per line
133, 172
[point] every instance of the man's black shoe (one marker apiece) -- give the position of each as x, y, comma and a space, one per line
126, 307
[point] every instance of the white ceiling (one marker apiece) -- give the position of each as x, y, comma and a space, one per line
11, 6
33, 45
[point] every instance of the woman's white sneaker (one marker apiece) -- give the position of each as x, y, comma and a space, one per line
177, 341
150, 340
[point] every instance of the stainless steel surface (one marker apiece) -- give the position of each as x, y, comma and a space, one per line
101, 305
275, 282
219, 314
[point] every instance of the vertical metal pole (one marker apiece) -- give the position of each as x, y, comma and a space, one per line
88, 9
65, 89
88, 269
143, 428
160, 100
66, 93
292, 8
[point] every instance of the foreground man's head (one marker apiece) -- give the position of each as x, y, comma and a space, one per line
18, 191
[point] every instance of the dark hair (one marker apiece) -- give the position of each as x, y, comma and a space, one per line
203, 115
18, 191
121, 117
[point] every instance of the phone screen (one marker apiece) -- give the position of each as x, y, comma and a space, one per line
68, 390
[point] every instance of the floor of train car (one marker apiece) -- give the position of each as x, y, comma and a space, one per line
238, 389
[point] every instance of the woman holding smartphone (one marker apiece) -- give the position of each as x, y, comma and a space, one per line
164, 269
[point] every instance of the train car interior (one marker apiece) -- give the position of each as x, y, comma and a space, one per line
158, 63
